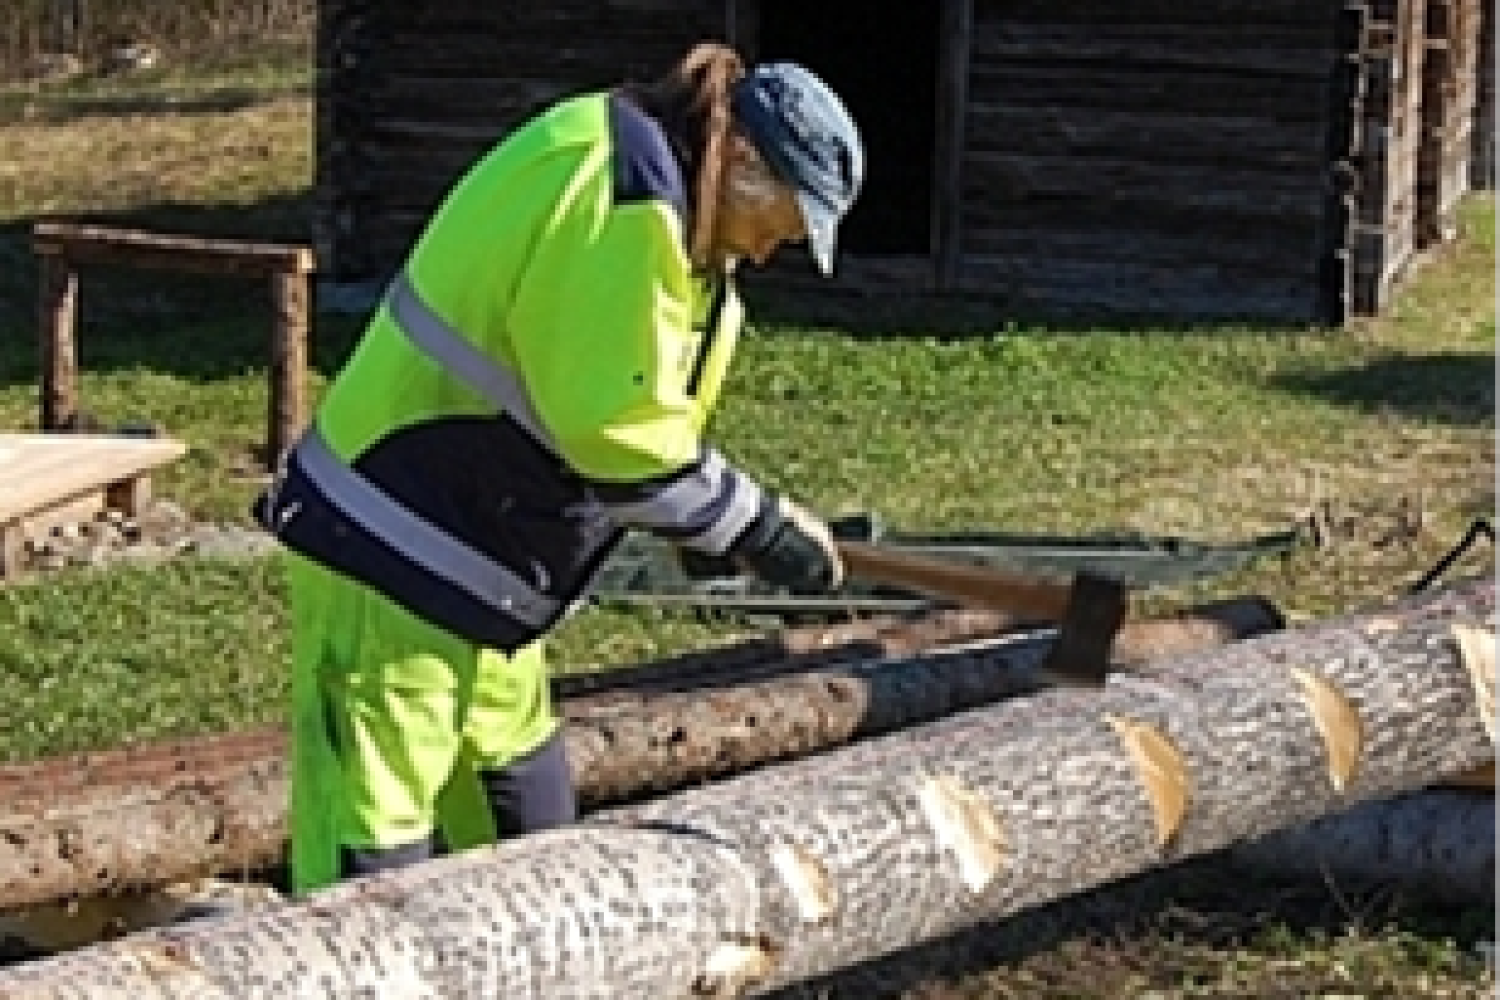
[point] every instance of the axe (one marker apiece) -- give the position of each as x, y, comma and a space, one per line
1088, 611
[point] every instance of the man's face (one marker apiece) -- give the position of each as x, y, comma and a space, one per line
757, 212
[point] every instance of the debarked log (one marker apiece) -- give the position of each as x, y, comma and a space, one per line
153, 816
1436, 844
795, 870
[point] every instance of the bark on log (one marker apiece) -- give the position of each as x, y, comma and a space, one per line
106, 822
793, 871
1437, 844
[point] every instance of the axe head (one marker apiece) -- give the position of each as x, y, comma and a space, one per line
1080, 654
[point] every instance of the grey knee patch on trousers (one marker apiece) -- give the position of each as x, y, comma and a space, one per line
357, 861
532, 793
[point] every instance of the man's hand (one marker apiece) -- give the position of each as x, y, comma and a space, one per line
790, 547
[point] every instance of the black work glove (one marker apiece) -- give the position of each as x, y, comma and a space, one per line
789, 547
697, 565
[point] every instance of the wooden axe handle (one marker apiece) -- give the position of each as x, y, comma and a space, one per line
976, 587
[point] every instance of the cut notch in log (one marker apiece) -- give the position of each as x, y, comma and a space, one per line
965, 825
1162, 771
1476, 647
734, 967
807, 881
1337, 722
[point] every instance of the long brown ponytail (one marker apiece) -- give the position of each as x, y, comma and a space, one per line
692, 104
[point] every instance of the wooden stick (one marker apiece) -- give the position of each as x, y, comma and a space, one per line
288, 402
970, 586
58, 309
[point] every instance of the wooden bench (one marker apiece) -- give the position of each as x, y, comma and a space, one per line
52, 479
62, 246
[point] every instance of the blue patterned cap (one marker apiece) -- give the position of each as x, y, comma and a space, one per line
804, 133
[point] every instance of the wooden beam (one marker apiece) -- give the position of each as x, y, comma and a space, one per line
789, 872
63, 245
288, 406
81, 242
742, 27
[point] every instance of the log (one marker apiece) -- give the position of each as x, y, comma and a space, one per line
792, 871
1436, 844
95, 823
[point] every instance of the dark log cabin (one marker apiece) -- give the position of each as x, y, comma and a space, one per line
1268, 160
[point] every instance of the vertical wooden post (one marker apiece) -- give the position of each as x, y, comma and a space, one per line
955, 33
58, 308
288, 405
742, 27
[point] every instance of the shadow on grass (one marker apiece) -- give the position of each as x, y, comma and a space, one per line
64, 110
1455, 388
132, 318
895, 316
1097, 944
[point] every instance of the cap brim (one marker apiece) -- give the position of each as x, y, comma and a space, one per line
822, 230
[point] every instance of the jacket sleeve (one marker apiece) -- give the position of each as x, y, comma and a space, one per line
602, 336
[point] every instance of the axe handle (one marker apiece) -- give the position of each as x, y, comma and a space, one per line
974, 587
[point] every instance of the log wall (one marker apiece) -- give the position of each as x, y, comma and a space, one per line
1482, 152
410, 94
1279, 161
1144, 158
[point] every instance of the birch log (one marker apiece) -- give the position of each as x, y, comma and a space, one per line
149, 817
797, 870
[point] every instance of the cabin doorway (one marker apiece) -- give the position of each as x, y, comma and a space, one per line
882, 59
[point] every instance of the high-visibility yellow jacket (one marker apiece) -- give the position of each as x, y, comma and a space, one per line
536, 380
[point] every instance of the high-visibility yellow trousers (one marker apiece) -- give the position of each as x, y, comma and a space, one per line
392, 719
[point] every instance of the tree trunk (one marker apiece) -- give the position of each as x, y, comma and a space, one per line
792, 871
144, 818
1437, 844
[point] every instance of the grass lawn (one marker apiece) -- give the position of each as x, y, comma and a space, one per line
1216, 434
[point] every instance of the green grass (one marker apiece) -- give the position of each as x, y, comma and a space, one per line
1214, 434
1218, 436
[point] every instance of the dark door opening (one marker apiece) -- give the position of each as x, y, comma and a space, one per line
882, 60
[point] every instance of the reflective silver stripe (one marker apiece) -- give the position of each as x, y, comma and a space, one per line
673, 506
460, 358
744, 504
679, 502
420, 541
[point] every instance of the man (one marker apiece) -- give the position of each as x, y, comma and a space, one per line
536, 382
